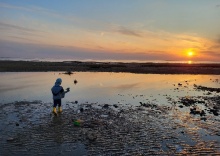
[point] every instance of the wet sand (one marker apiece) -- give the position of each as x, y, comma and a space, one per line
27, 128
76, 66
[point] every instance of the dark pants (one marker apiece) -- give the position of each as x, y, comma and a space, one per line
57, 102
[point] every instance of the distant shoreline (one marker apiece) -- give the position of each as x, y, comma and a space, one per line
79, 66
109, 61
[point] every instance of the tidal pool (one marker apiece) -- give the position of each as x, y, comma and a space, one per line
164, 129
97, 87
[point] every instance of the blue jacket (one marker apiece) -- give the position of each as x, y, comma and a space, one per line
57, 91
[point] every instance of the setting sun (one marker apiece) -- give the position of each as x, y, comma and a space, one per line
190, 53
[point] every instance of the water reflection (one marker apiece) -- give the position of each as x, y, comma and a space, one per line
111, 88
125, 86
189, 62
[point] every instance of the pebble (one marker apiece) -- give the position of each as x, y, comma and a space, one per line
116, 106
106, 106
91, 136
10, 139
203, 118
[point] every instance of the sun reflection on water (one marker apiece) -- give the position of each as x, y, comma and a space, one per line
101, 87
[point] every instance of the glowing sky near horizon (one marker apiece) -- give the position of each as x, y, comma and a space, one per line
116, 29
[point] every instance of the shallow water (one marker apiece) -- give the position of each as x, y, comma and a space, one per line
109, 88
161, 130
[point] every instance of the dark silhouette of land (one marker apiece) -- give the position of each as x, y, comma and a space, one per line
78, 66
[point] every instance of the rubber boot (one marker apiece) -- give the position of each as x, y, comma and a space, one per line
59, 109
54, 111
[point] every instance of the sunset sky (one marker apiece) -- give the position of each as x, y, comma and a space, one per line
111, 29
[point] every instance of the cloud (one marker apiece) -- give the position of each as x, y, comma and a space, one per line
15, 27
8, 6
216, 44
20, 33
29, 8
126, 31
35, 51
23, 39
188, 39
214, 47
77, 22
218, 40
24, 50
213, 54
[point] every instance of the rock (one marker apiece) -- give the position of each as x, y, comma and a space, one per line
81, 109
203, 118
88, 106
17, 124
209, 93
187, 101
201, 101
105, 106
75, 81
214, 111
10, 139
215, 107
181, 106
148, 105
179, 84
121, 111
202, 113
194, 112
91, 136
68, 72
209, 89
104, 116
116, 106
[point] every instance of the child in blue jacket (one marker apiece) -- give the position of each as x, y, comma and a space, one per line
58, 94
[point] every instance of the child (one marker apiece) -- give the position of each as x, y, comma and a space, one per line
58, 94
